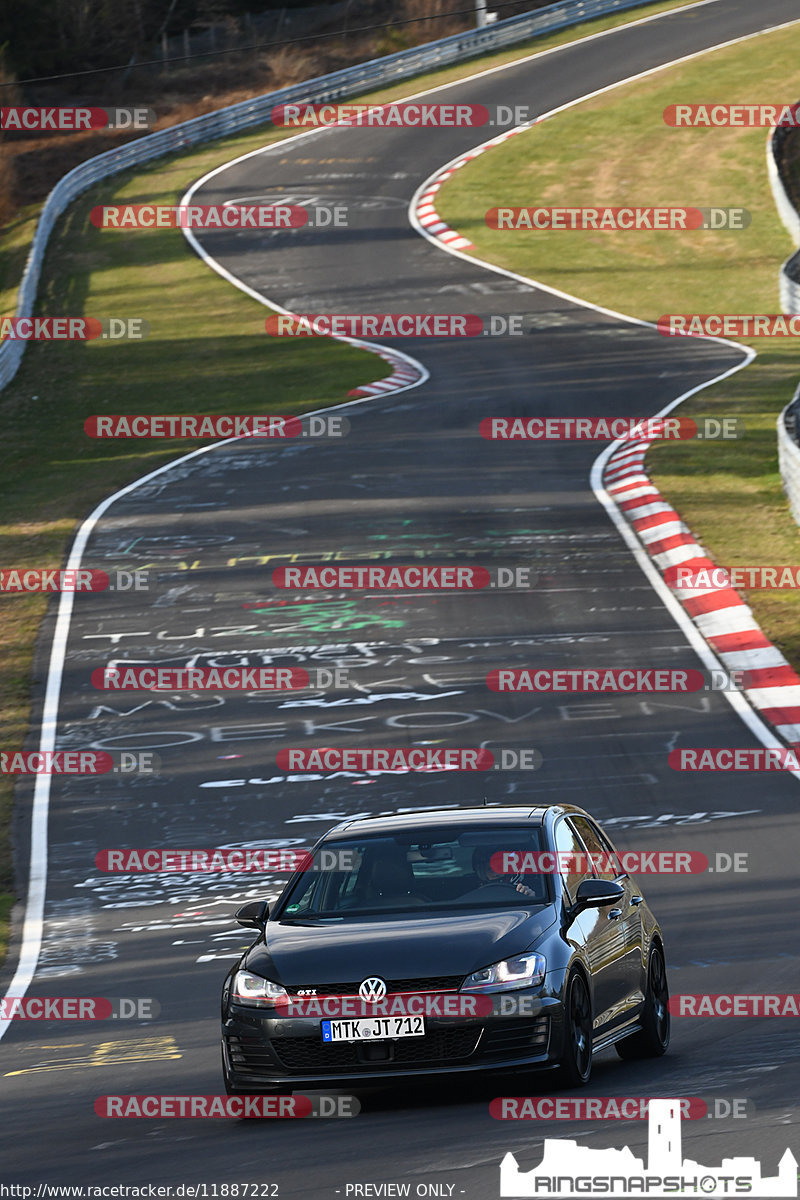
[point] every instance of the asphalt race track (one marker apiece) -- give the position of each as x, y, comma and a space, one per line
412, 481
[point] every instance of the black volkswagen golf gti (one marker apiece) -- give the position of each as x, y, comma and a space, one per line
444, 942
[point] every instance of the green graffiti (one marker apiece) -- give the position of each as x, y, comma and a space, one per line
323, 618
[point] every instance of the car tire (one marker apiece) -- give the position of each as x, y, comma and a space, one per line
652, 1040
576, 1063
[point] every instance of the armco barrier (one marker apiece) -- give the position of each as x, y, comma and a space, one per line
789, 453
348, 82
787, 206
789, 419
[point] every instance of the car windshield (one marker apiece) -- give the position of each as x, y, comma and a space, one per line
420, 872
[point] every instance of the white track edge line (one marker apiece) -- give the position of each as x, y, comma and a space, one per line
748, 715
33, 923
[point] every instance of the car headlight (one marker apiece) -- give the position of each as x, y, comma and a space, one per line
524, 970
260, 993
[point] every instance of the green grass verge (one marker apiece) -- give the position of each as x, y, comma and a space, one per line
6, 904
206, 353
15, 239
616, 150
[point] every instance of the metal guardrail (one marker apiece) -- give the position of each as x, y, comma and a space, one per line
350, 81
788, 210
789, 419
789, 453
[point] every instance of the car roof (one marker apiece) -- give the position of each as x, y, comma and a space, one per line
447, 817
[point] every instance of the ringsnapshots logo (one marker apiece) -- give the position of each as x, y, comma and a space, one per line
568, 1169
73, 119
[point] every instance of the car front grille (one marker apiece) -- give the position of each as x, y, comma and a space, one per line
500, 1040
439, 1046
432, 983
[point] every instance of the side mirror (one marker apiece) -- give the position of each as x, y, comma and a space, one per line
597, 893
253, 915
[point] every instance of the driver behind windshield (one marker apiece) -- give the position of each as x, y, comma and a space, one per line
494, 880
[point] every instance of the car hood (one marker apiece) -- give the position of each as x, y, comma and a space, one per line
395, 947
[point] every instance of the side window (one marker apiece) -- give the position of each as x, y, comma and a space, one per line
603, 858
572, 858
303, 896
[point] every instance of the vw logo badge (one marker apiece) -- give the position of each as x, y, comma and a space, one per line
372, 990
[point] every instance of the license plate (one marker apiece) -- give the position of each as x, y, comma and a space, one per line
367, 1029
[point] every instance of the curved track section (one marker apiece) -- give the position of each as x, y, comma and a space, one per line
412, 481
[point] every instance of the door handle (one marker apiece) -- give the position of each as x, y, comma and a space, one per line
615, 914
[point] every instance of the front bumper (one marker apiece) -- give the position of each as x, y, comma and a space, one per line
268, 1053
